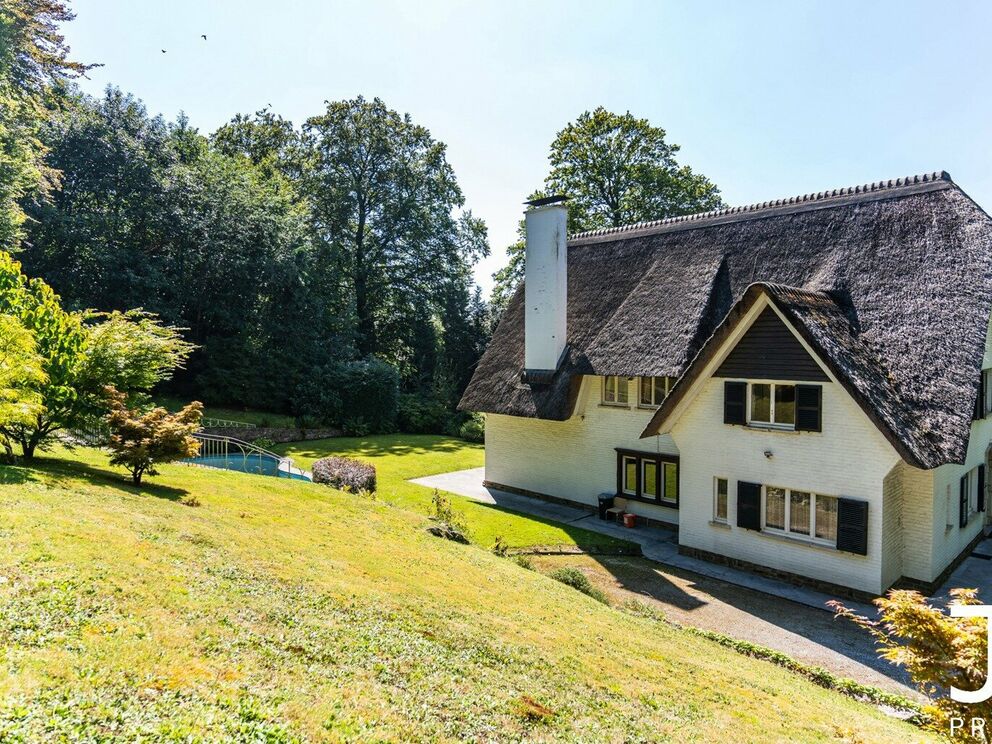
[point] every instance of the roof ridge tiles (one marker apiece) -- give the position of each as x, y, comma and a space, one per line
820, 196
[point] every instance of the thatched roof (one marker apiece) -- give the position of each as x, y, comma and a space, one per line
891, 283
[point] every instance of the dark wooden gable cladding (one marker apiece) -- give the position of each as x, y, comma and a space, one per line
770, 351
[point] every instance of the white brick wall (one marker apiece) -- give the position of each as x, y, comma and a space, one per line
907, 532
849, 458
573, 459
911, 525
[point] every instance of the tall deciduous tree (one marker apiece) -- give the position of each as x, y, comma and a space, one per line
616, 170
34, 61
384, 201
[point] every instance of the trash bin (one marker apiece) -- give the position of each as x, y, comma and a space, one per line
605, 502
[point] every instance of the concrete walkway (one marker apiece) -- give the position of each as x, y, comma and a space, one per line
657, 544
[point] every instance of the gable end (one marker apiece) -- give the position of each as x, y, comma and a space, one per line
770, 351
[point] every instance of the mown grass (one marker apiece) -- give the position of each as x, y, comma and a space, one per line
244, 415
400, 457
284, 611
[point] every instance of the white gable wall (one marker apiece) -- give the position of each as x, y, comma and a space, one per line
849, 458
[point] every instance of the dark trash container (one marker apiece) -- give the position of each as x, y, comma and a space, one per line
605, 502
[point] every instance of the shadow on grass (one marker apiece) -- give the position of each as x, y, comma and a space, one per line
745, 608
378, 446
14, 475
63, 471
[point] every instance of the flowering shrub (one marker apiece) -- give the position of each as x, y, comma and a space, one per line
344, 473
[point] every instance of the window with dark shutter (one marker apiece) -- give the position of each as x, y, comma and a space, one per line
809, 408
852, 526
981, 488
734, 402
979, 412
963, 502
749, 505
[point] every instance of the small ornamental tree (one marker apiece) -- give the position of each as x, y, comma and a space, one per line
141, 440
937, 650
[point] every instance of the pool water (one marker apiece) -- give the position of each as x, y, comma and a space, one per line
254, 463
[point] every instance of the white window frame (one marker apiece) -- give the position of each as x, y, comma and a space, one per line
623, 478
972, 476
716, 495
798, 536
621, 380
654, 403
772, 384
950, 519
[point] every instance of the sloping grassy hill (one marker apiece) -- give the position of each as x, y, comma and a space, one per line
399, 457
284, 611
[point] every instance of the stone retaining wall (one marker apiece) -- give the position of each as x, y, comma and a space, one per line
276, 434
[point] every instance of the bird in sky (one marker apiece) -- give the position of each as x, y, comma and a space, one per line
203, 36
163, 51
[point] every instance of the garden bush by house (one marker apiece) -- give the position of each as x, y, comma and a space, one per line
344, 472
474, 428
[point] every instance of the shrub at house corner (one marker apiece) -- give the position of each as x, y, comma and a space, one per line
141, 440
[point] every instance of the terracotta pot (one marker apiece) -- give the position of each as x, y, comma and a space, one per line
629, 520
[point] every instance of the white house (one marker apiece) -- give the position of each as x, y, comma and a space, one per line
798, 386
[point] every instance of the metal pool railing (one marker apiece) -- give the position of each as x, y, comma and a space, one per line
229, 453
219, 423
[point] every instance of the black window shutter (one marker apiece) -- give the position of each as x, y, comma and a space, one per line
979, 412
963, 502
852, 526
981, 488
734, 402
809, 407
749, 505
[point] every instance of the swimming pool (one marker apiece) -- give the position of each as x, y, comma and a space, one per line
228, 453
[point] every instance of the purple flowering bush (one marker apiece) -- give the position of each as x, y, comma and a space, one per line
344, 473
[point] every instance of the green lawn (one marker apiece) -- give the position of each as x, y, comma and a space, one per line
400, 457
283, 611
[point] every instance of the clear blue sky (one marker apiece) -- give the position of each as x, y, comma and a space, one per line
767, 99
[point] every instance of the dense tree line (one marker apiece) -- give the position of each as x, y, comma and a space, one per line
284, 252
322, 269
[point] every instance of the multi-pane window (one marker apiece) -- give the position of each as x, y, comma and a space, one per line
772, 404
653, 390
801, 513
648, 476
615, 390
719, 499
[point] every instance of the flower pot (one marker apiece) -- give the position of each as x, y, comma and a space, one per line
629, 520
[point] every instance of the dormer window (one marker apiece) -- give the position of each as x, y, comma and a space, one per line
615, 390
772, 404
653, 390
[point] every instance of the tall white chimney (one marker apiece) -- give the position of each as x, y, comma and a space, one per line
545, 285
